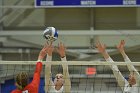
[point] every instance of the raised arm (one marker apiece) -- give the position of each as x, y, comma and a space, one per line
61, 50
120, 79
36, 77
131, 68
48, 76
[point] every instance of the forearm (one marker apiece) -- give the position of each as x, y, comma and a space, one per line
67, 84
132, 69
105, 55
48, 73
123, 53
47, 82
109, 59
67, 80
49, 58
36, 77
64, 59
66, 76
113, 67
38, 67
120, 79
48, 77
48, 66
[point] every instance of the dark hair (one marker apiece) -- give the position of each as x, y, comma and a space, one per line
21, 80
126, 77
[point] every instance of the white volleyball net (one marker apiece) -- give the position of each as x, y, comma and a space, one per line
84, 76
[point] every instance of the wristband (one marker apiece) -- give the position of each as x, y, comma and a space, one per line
62, 56
39, 60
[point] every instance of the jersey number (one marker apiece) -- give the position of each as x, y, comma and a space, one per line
26, 91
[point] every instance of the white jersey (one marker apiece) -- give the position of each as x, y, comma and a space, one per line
53, 90
122, 81
133, 89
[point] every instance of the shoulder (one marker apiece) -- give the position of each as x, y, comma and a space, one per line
52, 89
61, 89
30, 86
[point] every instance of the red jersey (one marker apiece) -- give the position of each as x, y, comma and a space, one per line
34, 85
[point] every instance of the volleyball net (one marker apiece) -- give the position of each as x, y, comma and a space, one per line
84, 76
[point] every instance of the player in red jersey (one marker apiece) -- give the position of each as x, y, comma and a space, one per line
22, 84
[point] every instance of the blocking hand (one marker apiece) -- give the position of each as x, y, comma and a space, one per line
121, 45
100, 47
61, 49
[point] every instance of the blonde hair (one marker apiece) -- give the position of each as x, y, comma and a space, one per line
21, 80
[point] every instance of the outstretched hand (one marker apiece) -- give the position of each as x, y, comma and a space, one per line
46, 49
101, 47
121, 45
50, 49
61, 49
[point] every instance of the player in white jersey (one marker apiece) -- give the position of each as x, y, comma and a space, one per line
135, 88
61, 83
130, 86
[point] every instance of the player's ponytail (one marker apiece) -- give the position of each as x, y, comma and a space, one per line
21, 80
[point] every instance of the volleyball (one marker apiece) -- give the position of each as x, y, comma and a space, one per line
50, 34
